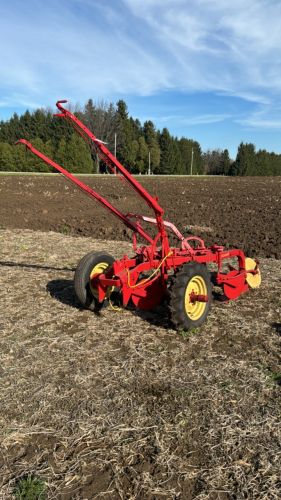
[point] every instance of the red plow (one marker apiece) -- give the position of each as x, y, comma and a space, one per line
180, 273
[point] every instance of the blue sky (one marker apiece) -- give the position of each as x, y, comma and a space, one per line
208, 70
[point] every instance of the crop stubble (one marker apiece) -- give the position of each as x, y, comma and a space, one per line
118, 405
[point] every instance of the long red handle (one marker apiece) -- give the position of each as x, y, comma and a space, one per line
152, 202
90, 191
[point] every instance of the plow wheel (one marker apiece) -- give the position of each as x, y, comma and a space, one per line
253, 280
191, 296
92, 263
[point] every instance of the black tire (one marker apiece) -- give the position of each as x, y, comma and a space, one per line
82, 279
184, 314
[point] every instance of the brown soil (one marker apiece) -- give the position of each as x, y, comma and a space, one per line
119, 405
240, 213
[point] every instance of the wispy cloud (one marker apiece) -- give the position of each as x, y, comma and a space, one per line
192, 120
218, 45
264, 118
141, 46
77, 49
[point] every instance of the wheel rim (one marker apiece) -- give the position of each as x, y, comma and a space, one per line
100, 269
253, 280
196, 285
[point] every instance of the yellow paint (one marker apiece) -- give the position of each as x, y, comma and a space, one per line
196, 285
253, 280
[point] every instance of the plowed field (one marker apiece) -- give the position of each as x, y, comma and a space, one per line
240, 213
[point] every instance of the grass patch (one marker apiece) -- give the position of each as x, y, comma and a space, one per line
275, 376
30, 488
187, 334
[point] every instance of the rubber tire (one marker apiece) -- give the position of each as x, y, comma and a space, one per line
82, 279
179, 316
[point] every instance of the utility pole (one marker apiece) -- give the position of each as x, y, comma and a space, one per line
115, 151
191, 161
149, 163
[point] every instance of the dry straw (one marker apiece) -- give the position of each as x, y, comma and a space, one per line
120, 406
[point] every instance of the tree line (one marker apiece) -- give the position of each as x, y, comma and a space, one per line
140, 148
249, 162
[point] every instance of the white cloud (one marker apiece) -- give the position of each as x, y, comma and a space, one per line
264, 118
192, 120
218, 45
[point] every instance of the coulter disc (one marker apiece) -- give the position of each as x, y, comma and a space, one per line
253, 280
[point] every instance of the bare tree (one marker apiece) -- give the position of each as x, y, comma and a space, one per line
104, 121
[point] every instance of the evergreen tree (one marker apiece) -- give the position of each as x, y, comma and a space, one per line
126, 153
179, 167
26, 126
186, 147
245, 160
151, 140
14, 129
21, 158
142, 156
262, 163
167, 157
3, 131
123, 110
6, 158
224, 165
275, 164
60, 155
171, 159
136, 128
35, 164
74, 155
38, 120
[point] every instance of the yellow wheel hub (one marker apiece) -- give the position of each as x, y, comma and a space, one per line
100, 269
253, 280
196, 285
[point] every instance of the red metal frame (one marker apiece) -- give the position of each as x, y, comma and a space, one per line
126, 272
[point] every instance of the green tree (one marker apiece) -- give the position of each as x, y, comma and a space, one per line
150, 136
245, 160
186, 147
21, 158
6, 158
14, 130
262, 163
74, 155
142, 156
26, 126
38, 120
171, 159
126, 153
136, 128
167, 158
179, 167
35, 163
275, 164
224, 165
